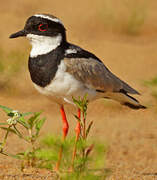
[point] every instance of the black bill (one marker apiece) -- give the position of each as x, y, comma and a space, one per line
18, 34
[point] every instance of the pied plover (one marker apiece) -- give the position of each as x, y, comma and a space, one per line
61, 70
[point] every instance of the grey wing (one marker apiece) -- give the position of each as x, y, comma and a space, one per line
95, 74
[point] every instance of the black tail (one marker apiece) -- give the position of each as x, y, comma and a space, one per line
125, 99
132, 106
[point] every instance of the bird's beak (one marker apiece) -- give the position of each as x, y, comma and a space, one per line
18, 34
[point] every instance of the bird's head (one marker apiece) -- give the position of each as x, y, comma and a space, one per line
41, 25
43, 30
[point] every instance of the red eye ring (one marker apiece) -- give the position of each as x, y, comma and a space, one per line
43, 27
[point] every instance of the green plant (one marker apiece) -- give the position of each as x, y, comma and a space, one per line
82, 105
91, 166
32, 125
152, 84
10, 64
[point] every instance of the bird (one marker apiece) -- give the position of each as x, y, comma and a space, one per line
61, 70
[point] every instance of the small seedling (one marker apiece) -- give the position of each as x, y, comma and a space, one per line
82, 104
32, 125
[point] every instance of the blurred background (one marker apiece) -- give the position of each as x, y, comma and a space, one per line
123, 34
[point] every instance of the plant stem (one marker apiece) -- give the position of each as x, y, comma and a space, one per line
5, 138
84, 127
31, 139
19, 134
4, 153
77, 130
32, 161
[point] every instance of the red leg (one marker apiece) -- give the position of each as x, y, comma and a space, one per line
65, 132
77, 130
65, 122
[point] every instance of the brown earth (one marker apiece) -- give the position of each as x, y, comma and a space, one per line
101, 27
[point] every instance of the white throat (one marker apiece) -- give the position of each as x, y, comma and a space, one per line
43, 44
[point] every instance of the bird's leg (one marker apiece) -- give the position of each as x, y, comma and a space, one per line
65, 122
65, 132
77, 130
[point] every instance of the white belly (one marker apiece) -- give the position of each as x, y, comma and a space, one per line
64, 86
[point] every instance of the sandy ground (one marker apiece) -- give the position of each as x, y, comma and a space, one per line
131, 135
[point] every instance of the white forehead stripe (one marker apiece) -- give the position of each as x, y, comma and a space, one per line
48, 17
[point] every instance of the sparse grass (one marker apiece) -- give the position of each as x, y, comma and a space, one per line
128, 19
152, 84
95, 162
10, 65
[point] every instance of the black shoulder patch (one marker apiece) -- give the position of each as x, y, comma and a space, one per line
44, 67
81, 53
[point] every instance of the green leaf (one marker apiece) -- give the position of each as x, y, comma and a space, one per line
14, 156
89, 127
85, 98
81, 103
27, 153
77, 117
3, 124
39, 124
18, 132
77, 102
33, 118
11, 155
21, 121
9, 129
26, 114
6, 109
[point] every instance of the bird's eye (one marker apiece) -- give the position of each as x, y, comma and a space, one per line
43, 27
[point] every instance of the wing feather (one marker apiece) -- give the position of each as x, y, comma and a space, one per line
94, 74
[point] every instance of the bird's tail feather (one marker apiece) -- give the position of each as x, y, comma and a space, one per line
134, 104
126, 100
